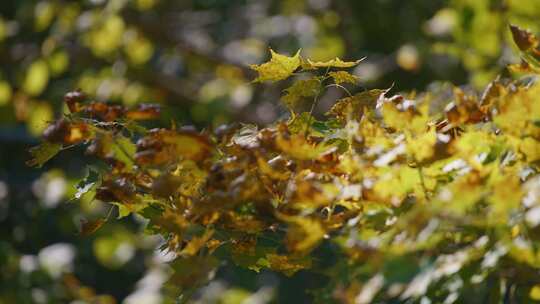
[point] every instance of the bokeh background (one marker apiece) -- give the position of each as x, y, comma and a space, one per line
192, 57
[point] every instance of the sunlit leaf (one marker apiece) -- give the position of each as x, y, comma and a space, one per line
334, 63
88, 184
278, 68
162, 146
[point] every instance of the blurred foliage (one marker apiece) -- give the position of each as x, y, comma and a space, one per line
409, 199
193, 58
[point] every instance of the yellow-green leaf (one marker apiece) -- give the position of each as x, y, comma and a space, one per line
353, 107
334, 63
278, 68
42, 153
343, 77
300, 89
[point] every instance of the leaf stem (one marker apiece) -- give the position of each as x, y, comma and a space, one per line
341, 87
422, 181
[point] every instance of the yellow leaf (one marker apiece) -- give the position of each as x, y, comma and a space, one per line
353, 107
161, 146
334, 63
196, 243
303, 233
343, 77
297, 147
463, 193
422, 147
395, 184
412, 119
287, 264
507, 193
278, 68
515, 231
531, 148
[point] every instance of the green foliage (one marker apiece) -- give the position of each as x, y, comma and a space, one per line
415, 203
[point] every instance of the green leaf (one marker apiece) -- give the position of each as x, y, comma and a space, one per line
42, 153
278, 68
88, 184
124, 150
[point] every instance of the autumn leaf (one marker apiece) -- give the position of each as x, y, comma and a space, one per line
278, 68
334, 63
89, 227
524, 39
406, 193
353, 107
144, 112
343, 77
161, 146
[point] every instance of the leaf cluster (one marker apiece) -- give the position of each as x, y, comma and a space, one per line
416, 203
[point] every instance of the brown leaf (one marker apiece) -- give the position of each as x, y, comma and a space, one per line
524, 39
89, 227
161, 146
144, 112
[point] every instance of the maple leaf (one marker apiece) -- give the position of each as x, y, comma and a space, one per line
278, 68
333, 63
353, 107
384, 181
